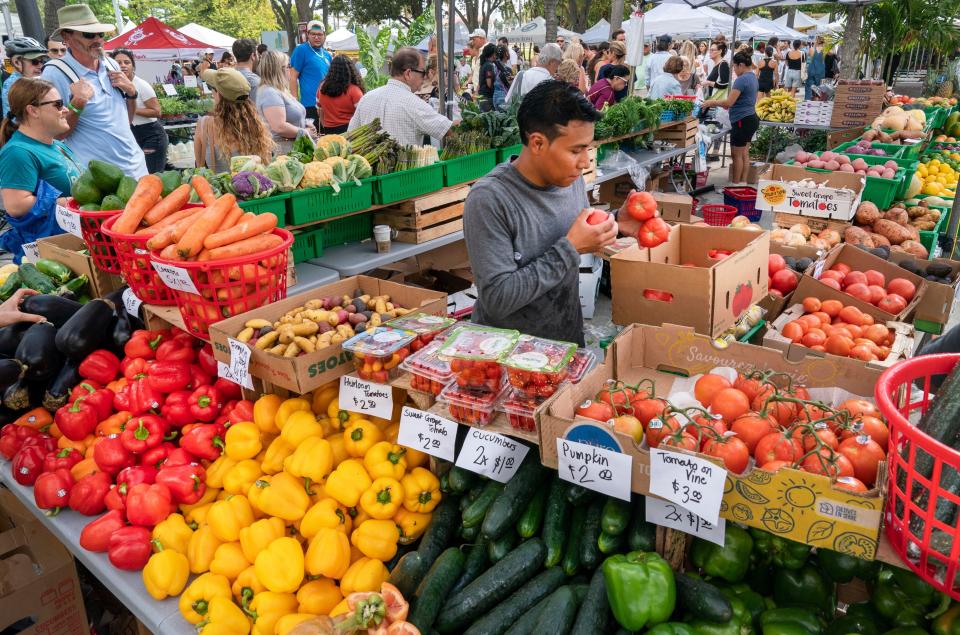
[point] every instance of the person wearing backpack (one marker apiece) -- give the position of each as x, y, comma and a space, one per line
101, 100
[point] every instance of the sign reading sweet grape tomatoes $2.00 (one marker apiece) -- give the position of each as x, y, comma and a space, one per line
492, 455
691, 482
366, 397
599, 469
428, 433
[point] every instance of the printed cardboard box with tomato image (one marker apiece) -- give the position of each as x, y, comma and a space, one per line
670, 388
796, 190
704, 277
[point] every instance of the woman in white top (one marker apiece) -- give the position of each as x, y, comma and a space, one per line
575, 52
147, 130
284, 114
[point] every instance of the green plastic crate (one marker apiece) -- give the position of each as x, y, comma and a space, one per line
319, 203
893, 150
878, 190
913, 150
352, 229
304, 245
928, 238
504, 154
275, 204
468, 168
400, 186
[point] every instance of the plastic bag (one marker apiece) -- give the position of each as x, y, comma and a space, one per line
39, 222
788, 154
616, 161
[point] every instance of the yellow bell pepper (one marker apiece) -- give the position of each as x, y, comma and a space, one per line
359, 515
348, 482
288, 407
223, 616
277, 451
411, 525
376, 539
340, 418
359, 436
421, 490
166, 573
222, 496
259, 535
228, 516
366, 574
201, 549
383, 498
265, 413
197, 516
341, 608
328, 554
173, 533
267, 607
386, 459
216, 470
313, 459
327, 425
229, 561
288, 622
241, 476
195, 601
281, 495
325, 513
319, 596
321, 399
242, 441
416, 458
300, 425
280, 566
338, 447
392, 432
208, 497
247, 584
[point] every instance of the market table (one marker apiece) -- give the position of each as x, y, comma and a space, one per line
357, 258
798, 126
643, 159
310, 276
160, 617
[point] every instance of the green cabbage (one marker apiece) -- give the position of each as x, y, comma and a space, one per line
285, 172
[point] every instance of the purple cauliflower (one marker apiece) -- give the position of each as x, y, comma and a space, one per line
249, 185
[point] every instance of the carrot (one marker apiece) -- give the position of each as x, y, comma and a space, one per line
232, 218
208, 222
202, 187
144, 197
247, 272
172, 202
176, 217
246, 229
170, 252
170, 234
262, 242
147, 232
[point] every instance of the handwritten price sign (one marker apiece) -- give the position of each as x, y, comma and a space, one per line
239, 366
131, 302
599, 469
366, 397
492, 455
31, 253
176, 278
69, 221
428, 433
691, 482
666, 514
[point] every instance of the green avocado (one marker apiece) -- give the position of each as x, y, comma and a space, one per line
171, 181
111, 201
85, 191
106, 176
90, 207
126, 188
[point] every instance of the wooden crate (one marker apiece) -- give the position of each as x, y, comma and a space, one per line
427, 217
682, 133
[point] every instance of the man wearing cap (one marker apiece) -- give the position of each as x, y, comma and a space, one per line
101, 99
658, 59
477, 41
308, 66
27, 56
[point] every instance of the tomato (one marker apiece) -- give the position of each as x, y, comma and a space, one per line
831, 307
596, 410
823, 317
874, 277
862, 353
658, 295
851, 315
855, 277
775, 263
830, 282
839, 345
877, 293
850, 484
752, 427
641, 205
859, 408
718, 254
658, 429
865, 455
805, 436
893, 303
748, 386
875, 428
729, 403
811, 305
841, 267
860, 291
773, 466
733, 452
682, 440
831, 275
703, 428
629, 425
777, 446
855, 330
708, 386
784, 281
903, 288
596, 217
867, 320
809, 412
775, 293
876, 333
793, 331
647, 409
617, 395
653, 232
828, 463
814, 337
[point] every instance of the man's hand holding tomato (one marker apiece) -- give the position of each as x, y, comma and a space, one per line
590, 238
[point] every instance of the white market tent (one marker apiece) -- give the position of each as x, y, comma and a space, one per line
678, 19
342, 40
780, 30
801, 21
535, 32
204, 34
461, 38
599, 32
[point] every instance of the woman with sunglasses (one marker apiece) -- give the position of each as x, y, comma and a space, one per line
27, 57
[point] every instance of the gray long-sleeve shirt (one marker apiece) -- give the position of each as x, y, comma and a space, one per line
526, 271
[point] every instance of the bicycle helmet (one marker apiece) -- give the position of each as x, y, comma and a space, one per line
26, 46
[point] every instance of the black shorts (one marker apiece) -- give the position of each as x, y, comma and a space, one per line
743, 131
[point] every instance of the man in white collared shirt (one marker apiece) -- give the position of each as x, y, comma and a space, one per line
547, 64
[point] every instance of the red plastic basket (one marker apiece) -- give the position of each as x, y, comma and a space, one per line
135, 266
718, 215
101, 248
745, 200
928, 546
231, 286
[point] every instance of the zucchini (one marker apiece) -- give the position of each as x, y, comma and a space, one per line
702, 600
10, 285
579, 589
499, 619
38, 352
492, 586
475, 564
559, 613
577, 494
615, 517
33, 279
594, 613
57, 271
470, 534
56, 309
443, 526
555, 521
641, 535
517, 493
590, 555
497, 549
474, 513
87, 329
408, 573
73, 287
532, 517
433, 590
571, 550
609, 544
461, 480
524, 625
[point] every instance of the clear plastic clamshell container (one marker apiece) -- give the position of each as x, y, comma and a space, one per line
378, 352
582, 363
470, 406
426, 326
428, 373
519, 410
476, 353
536, 367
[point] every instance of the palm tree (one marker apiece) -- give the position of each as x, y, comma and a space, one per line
550, 15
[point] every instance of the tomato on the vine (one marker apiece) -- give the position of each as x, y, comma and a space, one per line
808, 438
658, 429
748, 386
617, 395
731, 450
751, 427
707, 386
729, 403
827, 462
859, 408
865, 455
777, 446
704, 428
647, 409
683, 441
596, 410
851, 484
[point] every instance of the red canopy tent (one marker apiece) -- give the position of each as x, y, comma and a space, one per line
152, 40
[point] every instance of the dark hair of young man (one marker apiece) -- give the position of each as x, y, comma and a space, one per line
244, 48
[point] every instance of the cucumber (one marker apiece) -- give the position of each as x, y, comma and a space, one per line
442, 529
408, 573
615, 517
58, 272
33, 279
445, 483
571, 550
579, 590
492, 586
524, 625
471, 496
702, 599
74, 286
475, 511
609, 544
559, 613
577, 494
476, 563
433, 590
590, 555
594, 613
555, 520
497, 549
11, 284
532, 517
516, 494
499, 619
470, 534
641, 535
461, 480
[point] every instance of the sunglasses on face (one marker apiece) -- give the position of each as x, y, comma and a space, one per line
38, 62
57, 51
91, 36
417, 70
57, 103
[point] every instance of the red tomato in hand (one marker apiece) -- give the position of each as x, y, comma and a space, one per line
641, 205
596, 217
653, 232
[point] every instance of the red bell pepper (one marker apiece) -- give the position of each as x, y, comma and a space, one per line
147, 505
12, 437
199, 377
101, 366
77, 420
102, 400
155, 457
176, 409
28, 464
43, 441
134, 475
167, 377
205, 403
144, 344
111, 456
187, 483
52, 490
88, 494
179, 456
114, 500
235, 412
137, 397
83, 389
130, 548
207, 361
143, 433
135, 367
176, 350
204, 441
95, 536
227, 390
65, 458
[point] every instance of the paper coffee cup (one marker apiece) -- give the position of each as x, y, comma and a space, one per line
381, 234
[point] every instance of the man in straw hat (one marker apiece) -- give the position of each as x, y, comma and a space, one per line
100, 98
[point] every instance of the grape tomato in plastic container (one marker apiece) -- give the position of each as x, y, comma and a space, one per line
519, 411
426, 326
378, 352
536, 367
475, 354
582, 363
469, 406
428, 373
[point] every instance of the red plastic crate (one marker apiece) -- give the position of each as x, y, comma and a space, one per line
718, 215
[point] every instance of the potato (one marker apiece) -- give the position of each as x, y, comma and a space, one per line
867, 214
897, 215
858, 236
917, 211
879, 241
915, 248
801, 228
831, 236
924, 225
892, 231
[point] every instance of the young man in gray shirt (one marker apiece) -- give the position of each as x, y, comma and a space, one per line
525, 223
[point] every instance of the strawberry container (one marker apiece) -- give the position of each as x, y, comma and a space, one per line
519, 410
476, 354
536, 367
378, 352
471, 407
426, 326
583, 361
428, 373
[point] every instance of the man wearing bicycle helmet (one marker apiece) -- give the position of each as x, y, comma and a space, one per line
27, 57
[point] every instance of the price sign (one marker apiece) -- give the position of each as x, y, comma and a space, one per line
170, 90
691, 482
818, 268
176, 278
240, 363
131, 302
599, 469
428, 433
69, 221
667, 514
190, 81
223, 370
31, 252
492, 455
366, 397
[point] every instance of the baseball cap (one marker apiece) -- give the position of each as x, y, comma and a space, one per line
665, 38
479, 33
315, 25
231, 85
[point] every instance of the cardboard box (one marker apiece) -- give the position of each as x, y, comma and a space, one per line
755, 170
798, 505
615, 191
38, 578
709, 296
306, 372
806, 251
816, 225
65, 248
674, 208
777, 192
934, 309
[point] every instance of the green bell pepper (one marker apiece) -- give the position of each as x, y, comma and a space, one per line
781, 552
740, 624
948, 623
804, 588
640, 588
671, 628
904, 599
790, 621
729, 562
853, 624
841, 567
755, 603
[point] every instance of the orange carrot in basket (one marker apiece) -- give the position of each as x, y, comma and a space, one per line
176, 217
144, 197
248, 272
263, 242
245, 229
202, 187
232, 218
170, 252
207, 223
169, 204
170, 234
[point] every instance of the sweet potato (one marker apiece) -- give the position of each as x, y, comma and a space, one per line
867, 214
892, 231
915, 248
912, 232
858, 236
879, 241
924, 224
897, 215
